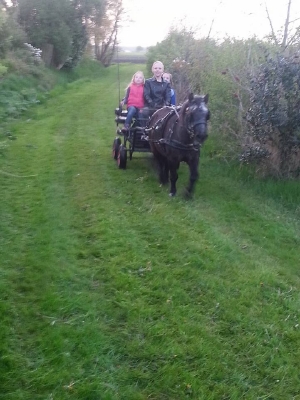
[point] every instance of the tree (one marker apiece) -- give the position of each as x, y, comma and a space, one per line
105, 31
59, 27
64, 28
49, 26
11, 34
88, 14
289, 35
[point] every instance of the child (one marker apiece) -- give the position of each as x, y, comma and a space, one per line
134, 98
168, 77
157, 92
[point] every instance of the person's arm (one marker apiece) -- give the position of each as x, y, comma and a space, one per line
173, 97
125, 100
147, 94
167, 98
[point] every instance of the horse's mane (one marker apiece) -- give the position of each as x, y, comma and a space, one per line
186, 104
182, 110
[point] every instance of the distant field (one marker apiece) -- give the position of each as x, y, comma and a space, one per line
130, 57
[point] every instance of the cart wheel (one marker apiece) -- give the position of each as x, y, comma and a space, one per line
115, 148
122, 157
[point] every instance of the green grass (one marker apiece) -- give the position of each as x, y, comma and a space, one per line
110, 289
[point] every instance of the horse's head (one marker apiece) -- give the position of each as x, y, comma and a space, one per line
196, 114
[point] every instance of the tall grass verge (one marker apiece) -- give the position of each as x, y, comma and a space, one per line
28, 85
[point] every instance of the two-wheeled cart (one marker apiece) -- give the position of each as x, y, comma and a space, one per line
134, 140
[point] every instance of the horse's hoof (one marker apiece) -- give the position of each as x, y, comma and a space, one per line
163, 182
187, 194
172, 194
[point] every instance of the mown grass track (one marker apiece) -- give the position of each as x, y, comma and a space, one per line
112, 290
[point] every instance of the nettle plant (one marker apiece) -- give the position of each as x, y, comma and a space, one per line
273, 119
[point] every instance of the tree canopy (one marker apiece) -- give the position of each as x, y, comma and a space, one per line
63, 28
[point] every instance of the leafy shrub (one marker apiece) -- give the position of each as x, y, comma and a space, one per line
13, 103
273, 117
3, 70
22, 61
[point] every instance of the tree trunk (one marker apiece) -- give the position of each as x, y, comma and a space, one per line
47, 54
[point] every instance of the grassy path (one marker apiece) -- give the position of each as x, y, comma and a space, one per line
109, 289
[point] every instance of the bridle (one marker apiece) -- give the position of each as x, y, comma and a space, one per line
200, 121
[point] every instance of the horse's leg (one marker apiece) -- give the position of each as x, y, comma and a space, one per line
163, 169
173, 177
194, 175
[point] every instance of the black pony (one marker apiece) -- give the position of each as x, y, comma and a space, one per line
175, 135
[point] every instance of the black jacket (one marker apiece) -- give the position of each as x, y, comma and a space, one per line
157, 94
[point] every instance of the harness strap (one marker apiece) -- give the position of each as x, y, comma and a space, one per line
175, 144
160, 124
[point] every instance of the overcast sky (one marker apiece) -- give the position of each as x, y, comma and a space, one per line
152, 20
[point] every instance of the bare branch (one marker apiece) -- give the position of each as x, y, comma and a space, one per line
294, 20
290, 41
286, 26
213, 21
237, 82
271, 26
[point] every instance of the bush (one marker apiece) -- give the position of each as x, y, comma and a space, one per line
87, 67
3, 70
273, 118
25, 79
